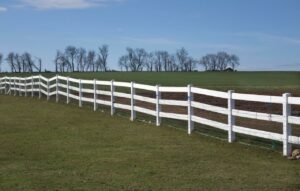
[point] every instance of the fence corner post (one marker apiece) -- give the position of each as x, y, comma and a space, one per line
190, 98
231, 118
80, 93
57, 95
112, 99
158, 107
95, 95
287, 128
133, 113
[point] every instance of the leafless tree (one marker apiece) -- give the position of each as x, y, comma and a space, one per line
91, 61
56, 60
80, 59
38, 66
124, 63
71, 52
182, 58
234, 61
11, 61
28, 62
136, 59
158, 61
150, 63
102, 59
219, 62
61, 62
19, 63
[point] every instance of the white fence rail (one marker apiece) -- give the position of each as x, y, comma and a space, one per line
65, 86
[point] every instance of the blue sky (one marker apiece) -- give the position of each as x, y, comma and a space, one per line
265, 34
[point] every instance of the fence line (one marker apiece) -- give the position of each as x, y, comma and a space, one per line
54, 87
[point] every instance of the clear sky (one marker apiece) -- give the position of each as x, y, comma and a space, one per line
265, 34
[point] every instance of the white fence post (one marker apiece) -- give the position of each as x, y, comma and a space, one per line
32, 86
57, 96
133, 113
231, 118
190, 110
1, 84
40, 92
20, 87
25, 85
10, 86
158, 95
15, 91
112, 99
5, 87
80, 93
48, 90
68, 90
95, 95
287, 128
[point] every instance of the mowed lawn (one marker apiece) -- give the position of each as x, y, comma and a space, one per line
261, 82
54, 146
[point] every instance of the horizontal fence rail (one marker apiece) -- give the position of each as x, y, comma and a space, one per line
65, 86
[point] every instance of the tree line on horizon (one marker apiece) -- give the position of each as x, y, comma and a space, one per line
22, 62
140, 60
73, 59
80, 60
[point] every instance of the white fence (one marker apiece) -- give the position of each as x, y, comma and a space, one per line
54, 87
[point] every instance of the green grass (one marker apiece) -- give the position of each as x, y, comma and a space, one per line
240, 81
54, 146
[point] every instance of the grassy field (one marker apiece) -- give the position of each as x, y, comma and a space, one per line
239, 81
54, 146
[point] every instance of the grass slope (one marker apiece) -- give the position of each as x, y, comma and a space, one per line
50, 146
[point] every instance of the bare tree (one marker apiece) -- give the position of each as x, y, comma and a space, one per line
158, 61
124, 63
80, 58
219, 62
71, 52
234, 61
135, 59
91, 61
61, 62
141, 58
19, 63
56, 60
165, 60
103, 54
11, 61
28, 62
150, 63
205, 62
38, 66
182, 58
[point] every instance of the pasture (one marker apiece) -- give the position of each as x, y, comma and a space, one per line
54, 146
248, 82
